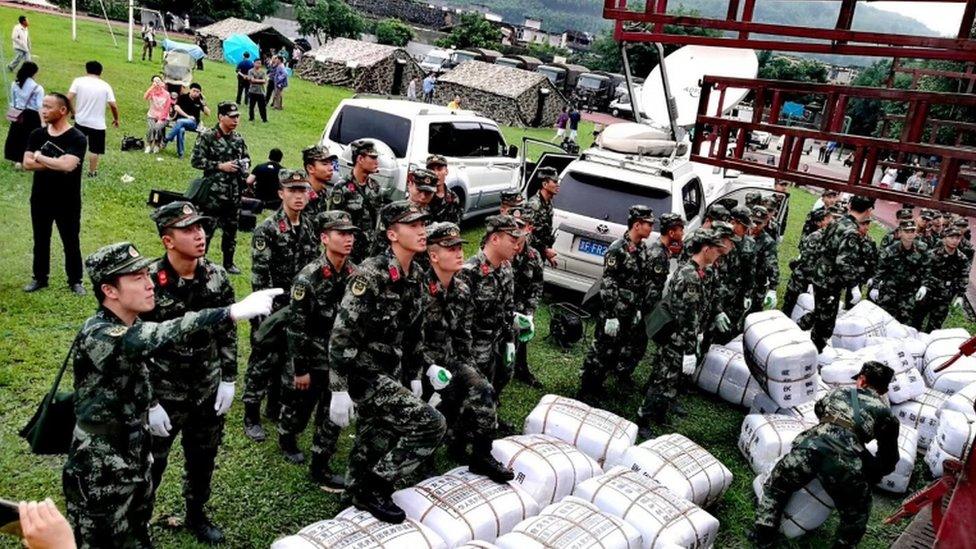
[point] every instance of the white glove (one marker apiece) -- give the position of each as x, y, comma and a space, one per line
957, 303
257, 304
637, 317
873, 294
416, 387
159, 424
509, 353
524, 322
855, 295
435, 399
920, 294
341, 409
225, 397
810, 289
770, 300
439, 377
611, 327
870, 282
747, 303
722, 322
688, 363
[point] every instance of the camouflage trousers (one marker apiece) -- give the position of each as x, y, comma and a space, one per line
296, 410
841, 478
662, 384
203, 431
900, 304
226, 218
932, 315
824, 314
616, 356
469, 405
108, 489
794, 288
267, 368
395, 433
488, 357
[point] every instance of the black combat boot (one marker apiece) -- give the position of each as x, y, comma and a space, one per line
763, 537
483, 463
591, 390
522, 372
323, 475
201, 527
252, 422
289, 447
374, 498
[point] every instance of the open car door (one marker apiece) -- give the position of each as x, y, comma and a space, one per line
548, 158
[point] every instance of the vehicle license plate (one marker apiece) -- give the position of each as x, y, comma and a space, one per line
591, 247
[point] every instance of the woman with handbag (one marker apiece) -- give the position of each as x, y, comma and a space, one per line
160, 103
23, 113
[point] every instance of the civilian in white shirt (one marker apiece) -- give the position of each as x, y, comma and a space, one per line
22, 44
90, 94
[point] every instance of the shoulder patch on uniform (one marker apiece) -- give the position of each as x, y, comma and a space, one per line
298, 293
116, 331
611, 261
336, 198
259, 243
326, 271
282, 226
358, 287
658, 268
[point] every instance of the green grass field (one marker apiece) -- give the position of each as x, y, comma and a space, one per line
257, 495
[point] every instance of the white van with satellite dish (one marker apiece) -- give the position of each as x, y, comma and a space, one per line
643, 163
481, 165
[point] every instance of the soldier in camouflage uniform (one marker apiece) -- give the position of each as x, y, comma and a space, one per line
834, 453
737, 274
675, 326
527, 268
620, 339
106, 479
904, 214
946, 279
829, 198
782, 204
541, 207
866, 264
377, 331
281, 246
360, 196
966, 244
839, 249
489, 276
421, 186
195, 399
932, 235
468, 398
315, 295
767, 264
318, 161
511, 199
445, 206
803, 266
899, 282
659, 254
222, 156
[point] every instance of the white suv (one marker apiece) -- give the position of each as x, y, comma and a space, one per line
481, 165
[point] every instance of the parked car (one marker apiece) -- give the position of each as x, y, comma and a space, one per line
436, 61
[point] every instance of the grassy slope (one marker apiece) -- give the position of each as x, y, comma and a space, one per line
257, 496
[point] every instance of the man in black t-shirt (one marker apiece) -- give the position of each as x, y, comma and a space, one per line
263, 180
188, 108
54, 154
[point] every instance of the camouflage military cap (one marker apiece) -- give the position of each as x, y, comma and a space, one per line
293, 179
521, 213
317, 152
334, 220
670, 220
772, 201
718, 212
904, 213
927, 214
112, 260
819, 214
548, 172
363, 146
227, 108
505, 224
838, 210
640, 212
177, 215
878, 375
907, 225
512, 198
445, 234
704, 237
401, 211
722, 229
831, 192
760, 213
436, 160
952, 230
961, 222
742, 214
424, 179
753, 198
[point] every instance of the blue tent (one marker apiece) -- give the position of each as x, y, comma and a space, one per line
234, 47
192, 50
793, 110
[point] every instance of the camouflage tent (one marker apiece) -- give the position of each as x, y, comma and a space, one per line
363, 66
509, 96
263, 34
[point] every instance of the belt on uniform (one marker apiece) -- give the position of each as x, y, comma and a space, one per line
112, 428
840, 422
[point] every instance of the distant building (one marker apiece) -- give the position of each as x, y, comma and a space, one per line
842, 76
576, 40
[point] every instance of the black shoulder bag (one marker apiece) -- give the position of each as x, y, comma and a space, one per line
51, 429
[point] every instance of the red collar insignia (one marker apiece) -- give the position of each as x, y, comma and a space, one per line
394, 273
349, 269
163, 278
485, 269
351, 186
312, 195
433, 288
701, 273
631, 248
282, 226
326, 271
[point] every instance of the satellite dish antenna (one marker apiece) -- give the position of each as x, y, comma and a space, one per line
685, 69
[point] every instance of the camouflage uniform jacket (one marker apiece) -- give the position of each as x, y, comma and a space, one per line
191, 367
542, 235
214, 147
448, 316
930, 240
767, 262
528, 268
493, 294
363, 203
315, 296
839, 249
658, 266
626, 280
888, 239
948, 273
804, 266
378, 328
685, 303
446, 208
966, 247
111, 373
809, 225
279, 250
318, 202
900, 271
737, 274
867, 264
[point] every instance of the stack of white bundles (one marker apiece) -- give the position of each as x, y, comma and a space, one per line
682, 466
807, 509
953, 440
781, 357
823, 389
922, 414
962, 401
545, 467
597, 433
724, 372
897, 481
475, 544
766, 438
914, 348
353, 529
662, 518
864, 320
572, 522
762, 404
804, 305
943, 345
461, 506
906, 386
838, 373
735, 344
